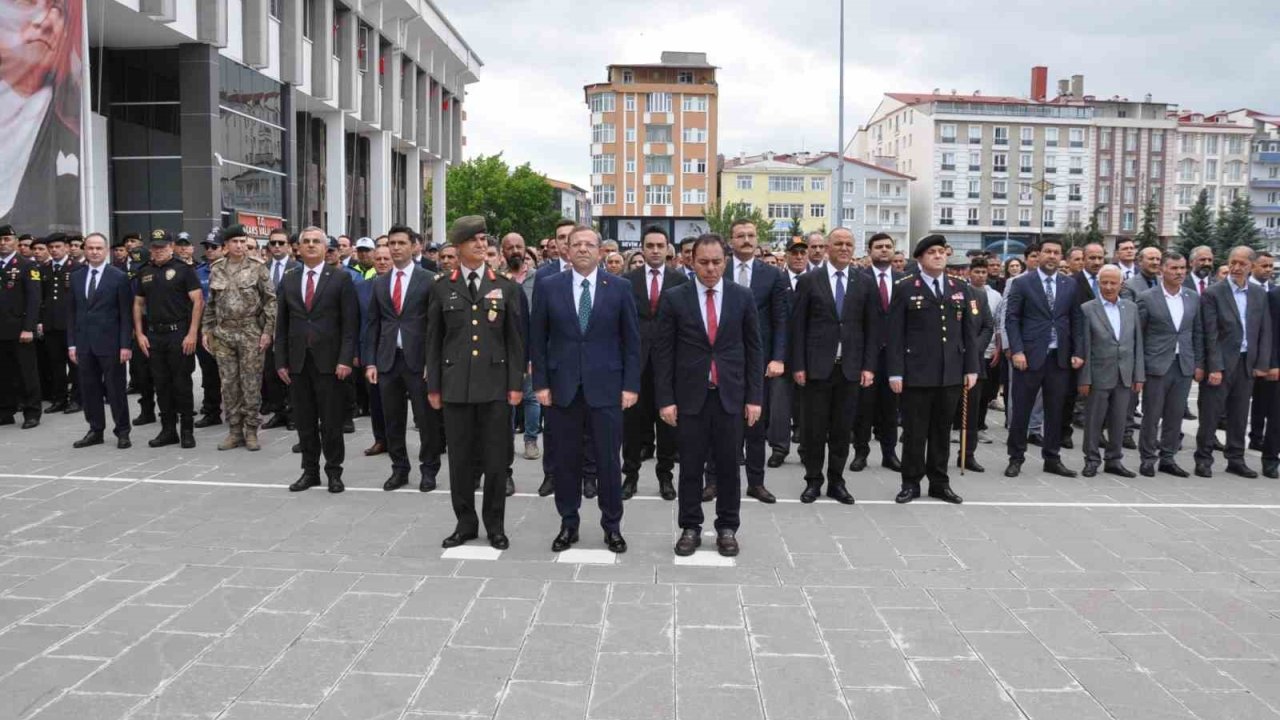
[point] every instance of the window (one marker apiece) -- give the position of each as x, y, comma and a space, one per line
1106, 138
1157, 141
1273, 173
973, 216
630, 196
603, 195
1184, 194
1210, 170
948, 161
659, 102
1235, 146
849, 188
975, 134
1235, 171
1000, 189
1024, 217
1002, 136
1131, 140
1047, 218
695, 135
1210, 144
819, 184
1155, 194
817, 210
1024, 163
684, 77
999, 216
1073, 192
657, 194
308, 19
601, 102
1187, 144
658, 164
695, 166
1051, 137
1186, 170
629, 102
948, 189
948, 132
602, 133
1130, 194
631, 134
694, 196
1024, 192
1104, 193
848, 214
1027, 136
975, 161
785, 211
602, 164
1156, 166
1126, 222
945, 217
1212, 193
694, 103
1000, 162
628, 77
975, 189
744, 182
274, 9
657, 133
630, 165
1073, 219
786, 183
1077, 137
1104, 167
1130, 167
1077, 166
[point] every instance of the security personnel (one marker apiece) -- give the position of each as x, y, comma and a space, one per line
931, 360
19, 314
128, 257
56, 281
166, 325
210, 383
475, 372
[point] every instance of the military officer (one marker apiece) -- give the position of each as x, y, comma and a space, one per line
166, 324
475, 372
238, 325
210, 383
56, 281
931, 360
19, 314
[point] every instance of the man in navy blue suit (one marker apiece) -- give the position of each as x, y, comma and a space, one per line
708, 379
585, 349
1043, 329
99, 340
554, 266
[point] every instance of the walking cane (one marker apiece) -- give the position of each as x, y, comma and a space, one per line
964, 427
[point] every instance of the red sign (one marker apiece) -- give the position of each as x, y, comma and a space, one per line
259, 226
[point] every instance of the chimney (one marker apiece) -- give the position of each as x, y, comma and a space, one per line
1146, 98
1039, 82
1064, 87
1077, 86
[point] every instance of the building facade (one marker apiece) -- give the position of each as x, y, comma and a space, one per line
1264, 173
653, 146
874, 199
1210, 153
272, 113
783, 188
1130, 164
571, 201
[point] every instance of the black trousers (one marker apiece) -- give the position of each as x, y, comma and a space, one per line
399, 390
103, 376
1264, 395
143, 381
976, 406
317, 413
878, 411
754, 441
926, 434
1229, 399
19, 378
275, 394
990, 390
828, 419
55, 363
1050, 380
377, 419
640, 426
712, 432
575, 425
42, 367
478, 430
171, 372
210, 383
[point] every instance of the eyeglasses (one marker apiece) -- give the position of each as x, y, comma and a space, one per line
278, 243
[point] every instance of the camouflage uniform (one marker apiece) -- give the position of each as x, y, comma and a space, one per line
242, 308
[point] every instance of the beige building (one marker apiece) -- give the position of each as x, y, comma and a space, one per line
653, 146
784, 188
1210, 152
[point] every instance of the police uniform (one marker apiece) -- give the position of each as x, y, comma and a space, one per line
930, 351
19, 313
164, 294
140, 380
210, 383
55, 279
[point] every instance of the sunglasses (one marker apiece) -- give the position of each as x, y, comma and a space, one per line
278, 243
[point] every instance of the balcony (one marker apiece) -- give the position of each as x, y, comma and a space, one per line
1077, 143
972, 223
974, 196
1267, 158
998, 223
999, 196
1024, 223
1051, 170
1075, 198
1266, 209
946, 194
975, 141
947, 139
1076, 171
945, 166
1265, 182
1001, 141
1000, 169
975, 168
1048, 223
947, 221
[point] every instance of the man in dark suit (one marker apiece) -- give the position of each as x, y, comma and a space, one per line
56, 280
1095, 256
99, 332
640, 423
558, 264
585, 349
317, 326
1271, 437
395, 356
1237, 335
275, 394
983, 328
1042, 323
834, 335
709, 378
784, 401
1173, 341
769, 289
19, 315
1200, 273
1264, 389
878, 404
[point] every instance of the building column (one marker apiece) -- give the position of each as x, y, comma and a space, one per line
413, 190
335, 174
289, 156
200, 125
379, 182
439, 233
322, 50
211, 22
291, 45
391, 60
348, 51
256, 29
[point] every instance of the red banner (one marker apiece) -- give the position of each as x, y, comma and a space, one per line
259, 226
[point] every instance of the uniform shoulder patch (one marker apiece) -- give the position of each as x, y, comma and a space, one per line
35, 274
905, 278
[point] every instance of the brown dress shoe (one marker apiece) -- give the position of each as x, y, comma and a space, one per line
377, 448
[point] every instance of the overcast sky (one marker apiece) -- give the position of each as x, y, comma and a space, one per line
778, 61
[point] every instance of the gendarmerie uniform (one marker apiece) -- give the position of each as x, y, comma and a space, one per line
19, 313
56, 285
166, 289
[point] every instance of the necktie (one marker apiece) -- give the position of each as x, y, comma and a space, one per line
711, 331
584, 306
742, 275
884, 293
937, 288
310, 295
1201, 286
93, 284
653, 291
1048, 293
396, 297
275, 276
473, 283
840, 294
1093, 281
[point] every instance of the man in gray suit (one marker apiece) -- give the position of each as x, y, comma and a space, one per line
1173, 339
1113, 370
1237, 336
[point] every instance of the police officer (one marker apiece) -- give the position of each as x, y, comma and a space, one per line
930, 361
166, 324
19, 314
210, 383
127, 255
475, 372
56, 280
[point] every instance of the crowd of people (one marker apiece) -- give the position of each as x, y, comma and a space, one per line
709, 355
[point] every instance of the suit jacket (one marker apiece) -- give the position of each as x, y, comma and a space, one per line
984, 325
639, 279
882, 314
20, 296
475, 345
769, 289
604, 361
328, 332
1109, 362
101, 325
1137, 285
1162, 341
683, 353
1223, 330
817, 331
289, 264
1192, 282
1084, 288
1028, 319
385, 325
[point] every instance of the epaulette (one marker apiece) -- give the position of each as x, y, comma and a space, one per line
256, 259
440, 275
904, 278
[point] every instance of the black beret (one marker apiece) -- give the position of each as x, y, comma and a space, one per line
39, 241
466, 227
929, 241
131, 236
26, 236
6, 230
52, 238
234, 231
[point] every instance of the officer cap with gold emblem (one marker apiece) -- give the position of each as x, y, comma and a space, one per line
465, 228
928, 241
797, 243
160, 237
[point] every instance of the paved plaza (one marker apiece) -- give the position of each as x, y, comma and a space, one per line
189, 584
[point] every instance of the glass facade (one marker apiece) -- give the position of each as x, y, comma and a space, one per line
253, 172
357, 200
311, 171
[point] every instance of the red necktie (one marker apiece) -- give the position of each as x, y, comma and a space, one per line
884, 294
1201, 286
653, 291
311, 288
396, 298
711, 331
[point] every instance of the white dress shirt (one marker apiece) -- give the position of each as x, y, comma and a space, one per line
1128, 270
306, 269
793, 278
831, 277
648, 279
1241, 295
887, 274
277, 269
88, 277
1174, 303
577, 288
717, 299
1053, 333
1113, 316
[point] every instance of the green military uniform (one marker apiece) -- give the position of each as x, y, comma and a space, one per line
241, 310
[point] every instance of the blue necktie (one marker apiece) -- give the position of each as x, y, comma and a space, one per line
584, 306
840, 294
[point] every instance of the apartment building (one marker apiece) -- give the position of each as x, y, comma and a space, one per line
873, 199
1264, 171
571, 201
1132, 146
1211, 153
782, 187
653, 146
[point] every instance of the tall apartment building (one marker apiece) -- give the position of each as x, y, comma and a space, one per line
1132, 146
1211, 153
1264, 171
653, 146
782, 187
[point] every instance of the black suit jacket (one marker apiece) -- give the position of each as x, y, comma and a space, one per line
682, 353
327, 332
20, 297
410, 325
56, 291
101, 325
639, 279
769, 290
816, 330
1084, 290
882, 313
1223, 331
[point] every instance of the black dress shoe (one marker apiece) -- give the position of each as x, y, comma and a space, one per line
72, 408
688, 542
727, 542
1147, 469
629, 488
547, 487
6, 420
761, 493
31, 422
167, 436
892, 463
709, 493
839, 493
1244, 471
1056, 467
1203, 470
499, 542
305, 482
776, 459
90, 438
567, 537
1188, 415
145, 418
1014, 468
667, 490
275, 421
589, 488
811, 493
906, 495
457, 539
972, 466
1090, 469
123, 442
336, 486
1271, 470
348, 427
208, 421
1255, 445
296, 449
946, 494
1067, 443
1218, 446
1129, 444
1118, 470
1169, 468
397, 480
427, 484
615, 542
859, 463
1035, 439
57, 407
511, 485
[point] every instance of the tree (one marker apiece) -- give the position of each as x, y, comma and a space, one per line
1093, 233
722, 217
1198, 228
796, 229
1149, 234
1236, 227
510, 200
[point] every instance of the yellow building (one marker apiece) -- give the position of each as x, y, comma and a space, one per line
782, 188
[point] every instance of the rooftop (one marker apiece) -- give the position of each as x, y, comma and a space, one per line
673, 59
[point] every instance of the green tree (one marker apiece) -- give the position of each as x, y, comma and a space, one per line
1093, 233
1236, 227
1198, 228
796, 229
1149, 233
722, 217
510, 199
